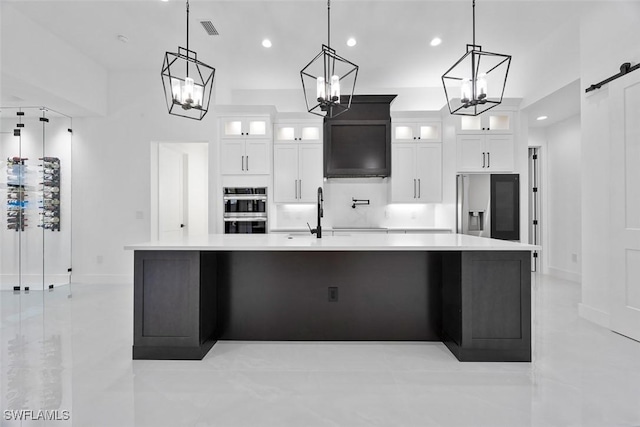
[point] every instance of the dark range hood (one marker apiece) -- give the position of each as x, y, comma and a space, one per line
358, 142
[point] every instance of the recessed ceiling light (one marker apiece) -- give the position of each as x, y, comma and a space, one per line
165, 1
351, 42
542, 118
266, 43
436, 41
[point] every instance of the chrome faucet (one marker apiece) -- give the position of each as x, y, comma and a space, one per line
318, 230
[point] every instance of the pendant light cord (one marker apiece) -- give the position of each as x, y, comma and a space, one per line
187, 25
474, 22
328, 23
187, 61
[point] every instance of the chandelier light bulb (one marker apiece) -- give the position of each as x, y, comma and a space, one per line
335, 89
321, 90
176, 90
198, 94
465, 91
481, 87
187, 93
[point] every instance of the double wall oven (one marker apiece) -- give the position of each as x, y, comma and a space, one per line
245, 210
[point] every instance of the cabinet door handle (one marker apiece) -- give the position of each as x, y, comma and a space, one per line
488, 159
247, 162
242, 162
295, 185
414, 188
419, 189
483, 160
300, 188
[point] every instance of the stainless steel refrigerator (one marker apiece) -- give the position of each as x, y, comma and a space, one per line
488, 205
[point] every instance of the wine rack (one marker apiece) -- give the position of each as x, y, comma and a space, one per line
50, 203
17, 199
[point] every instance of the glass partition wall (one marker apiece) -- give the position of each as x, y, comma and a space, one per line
35, 260
35, 199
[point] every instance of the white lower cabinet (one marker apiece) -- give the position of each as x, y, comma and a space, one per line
485, 153
297, 172
416, 173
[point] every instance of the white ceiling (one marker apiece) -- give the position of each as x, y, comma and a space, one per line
393, 35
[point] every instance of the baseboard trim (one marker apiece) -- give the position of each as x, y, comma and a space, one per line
594, 315
33, 281
565, 275
102, 279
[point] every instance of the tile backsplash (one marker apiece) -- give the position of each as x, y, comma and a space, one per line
339, 211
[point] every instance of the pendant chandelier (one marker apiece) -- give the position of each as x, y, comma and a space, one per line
476, 82
188, 83
326, 78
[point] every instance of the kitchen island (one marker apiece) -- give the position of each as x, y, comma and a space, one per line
471, 293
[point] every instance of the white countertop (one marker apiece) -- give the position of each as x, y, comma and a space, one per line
356, 242
363, 229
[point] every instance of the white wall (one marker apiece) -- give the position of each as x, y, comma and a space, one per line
602, 51
43, 70
564, 207
112, 174
554, 63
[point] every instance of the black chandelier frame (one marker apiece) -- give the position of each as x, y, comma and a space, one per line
203, 76
476, 104
329, 107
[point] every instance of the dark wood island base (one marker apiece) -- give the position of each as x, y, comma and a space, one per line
477, 302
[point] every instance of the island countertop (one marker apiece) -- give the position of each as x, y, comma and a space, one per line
382, 242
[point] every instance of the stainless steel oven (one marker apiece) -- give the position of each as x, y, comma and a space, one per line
245, 210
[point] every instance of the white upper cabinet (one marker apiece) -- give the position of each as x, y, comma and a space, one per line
292, 132
416, 173
485, 153
491, 121
297, 160
485, 143
297, 172
245, 127
242, 157
413, 130
245, 144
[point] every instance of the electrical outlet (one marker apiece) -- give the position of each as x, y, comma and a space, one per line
333, 294
574, 257
139, 215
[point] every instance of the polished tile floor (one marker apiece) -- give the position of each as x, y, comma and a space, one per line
70, 350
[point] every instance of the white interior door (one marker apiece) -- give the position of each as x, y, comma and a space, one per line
624, 95
171, 193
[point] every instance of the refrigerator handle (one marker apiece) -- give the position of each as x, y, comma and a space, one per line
483, 160
488, 159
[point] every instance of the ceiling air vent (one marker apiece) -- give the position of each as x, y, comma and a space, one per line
209, 28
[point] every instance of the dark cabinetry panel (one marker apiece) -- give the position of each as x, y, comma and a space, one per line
487, 305
170, 306
285, 296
